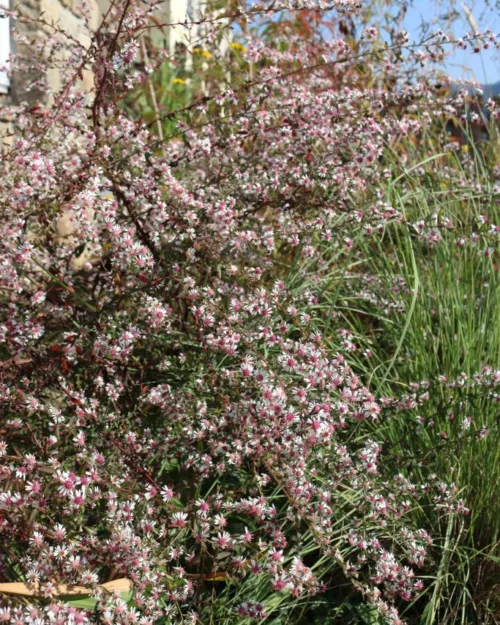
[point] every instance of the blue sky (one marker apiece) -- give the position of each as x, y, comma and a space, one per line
484, 67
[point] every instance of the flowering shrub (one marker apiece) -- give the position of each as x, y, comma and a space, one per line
171, 412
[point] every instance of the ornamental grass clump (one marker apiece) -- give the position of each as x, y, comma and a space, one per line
172, 415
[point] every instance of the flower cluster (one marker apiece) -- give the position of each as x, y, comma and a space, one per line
171, 412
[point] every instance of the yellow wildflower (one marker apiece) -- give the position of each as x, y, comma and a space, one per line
238, 47
178, 81
204, 53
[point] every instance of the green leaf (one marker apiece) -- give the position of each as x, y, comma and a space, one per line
89, 603
369, 615
79, 601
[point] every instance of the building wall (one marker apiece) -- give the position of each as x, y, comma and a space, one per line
63, 13
66, 15
169, 12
